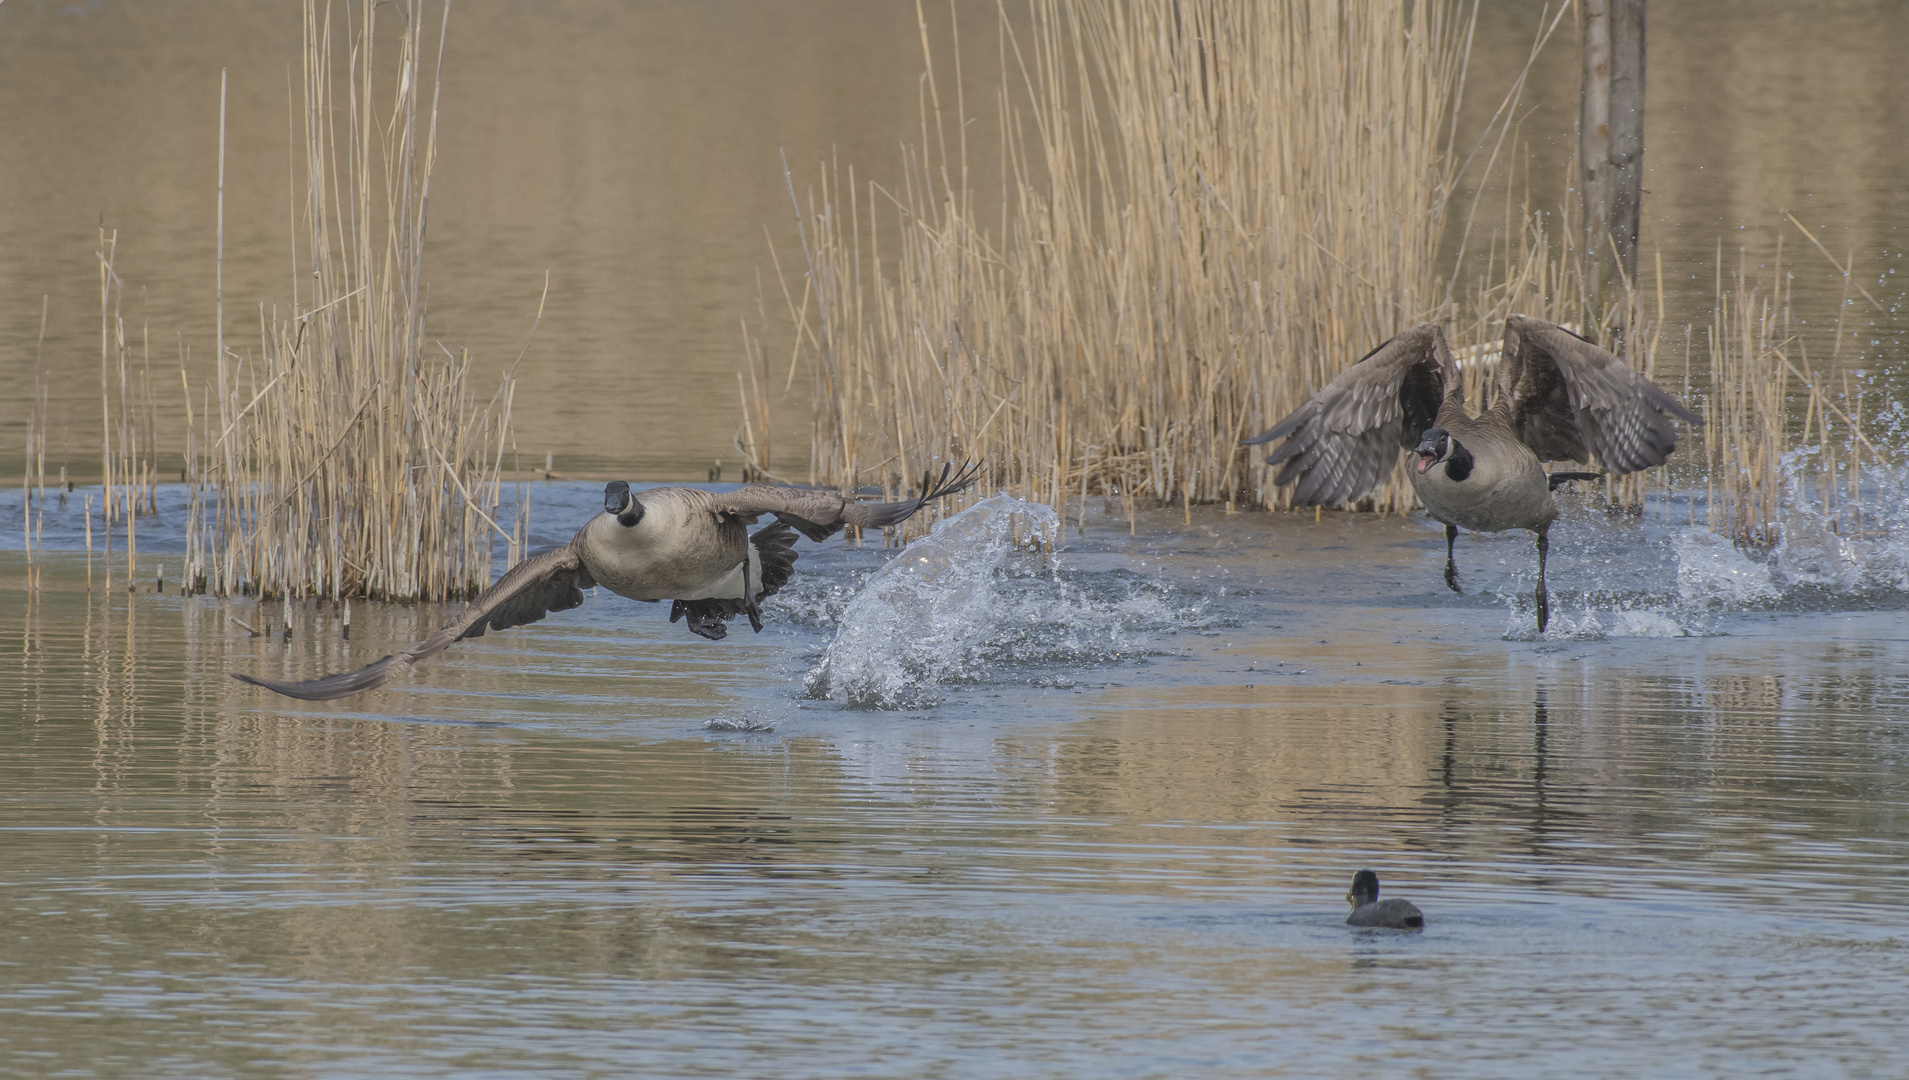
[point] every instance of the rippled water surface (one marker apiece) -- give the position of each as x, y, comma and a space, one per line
1105, 828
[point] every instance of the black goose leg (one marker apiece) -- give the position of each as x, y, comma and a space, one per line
749, 605
1544, 599
1451, 567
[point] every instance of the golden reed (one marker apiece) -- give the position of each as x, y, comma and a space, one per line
1204, 213
345, 454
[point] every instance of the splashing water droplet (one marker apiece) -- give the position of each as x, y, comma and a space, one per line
919, 619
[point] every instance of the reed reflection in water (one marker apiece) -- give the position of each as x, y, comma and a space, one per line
1637, 855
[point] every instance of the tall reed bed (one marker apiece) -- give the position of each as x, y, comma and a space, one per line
1205, 213
349, 455
1204, 209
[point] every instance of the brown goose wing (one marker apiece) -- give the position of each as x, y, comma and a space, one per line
1347, 438
551, 581
819, 514
1570, 399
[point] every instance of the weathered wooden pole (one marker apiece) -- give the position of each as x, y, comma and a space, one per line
1611, 140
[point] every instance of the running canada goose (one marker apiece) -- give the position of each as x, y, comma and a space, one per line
1369, 910
684, 545
1558, 397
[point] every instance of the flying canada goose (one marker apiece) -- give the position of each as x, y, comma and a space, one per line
680, 544
1369, 910
1558, 397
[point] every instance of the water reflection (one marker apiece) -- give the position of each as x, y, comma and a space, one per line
1140, 855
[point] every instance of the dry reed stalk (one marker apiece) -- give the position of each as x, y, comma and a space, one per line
1207, 211
128, 440
26, 497
1200, 225
351, 456
1777, 437
1764, 462
34, 527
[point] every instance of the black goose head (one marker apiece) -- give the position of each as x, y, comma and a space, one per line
1365, 889
618, 500
1438, 446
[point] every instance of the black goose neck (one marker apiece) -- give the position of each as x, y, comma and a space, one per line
1459, 465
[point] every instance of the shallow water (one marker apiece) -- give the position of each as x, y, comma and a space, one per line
1667, 839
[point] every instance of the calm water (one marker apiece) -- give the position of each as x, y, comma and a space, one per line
636, 151
1095, 818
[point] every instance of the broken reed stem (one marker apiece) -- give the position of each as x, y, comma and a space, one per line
349, 456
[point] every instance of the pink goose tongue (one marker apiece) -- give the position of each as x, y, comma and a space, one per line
1426, 461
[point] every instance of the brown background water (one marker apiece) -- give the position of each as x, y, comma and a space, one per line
635, 152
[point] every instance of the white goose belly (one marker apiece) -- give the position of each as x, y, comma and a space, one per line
672, 553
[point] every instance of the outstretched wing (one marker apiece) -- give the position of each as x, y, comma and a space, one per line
819, 514
551, 581
1570, 399
1347, 438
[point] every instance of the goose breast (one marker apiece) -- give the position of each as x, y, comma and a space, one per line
677, 551
1506, 488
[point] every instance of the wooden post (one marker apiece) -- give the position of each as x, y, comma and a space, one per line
1611, 140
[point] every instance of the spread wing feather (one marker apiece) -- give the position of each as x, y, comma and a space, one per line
553, 580
1344, 441
818, 515
1569, 399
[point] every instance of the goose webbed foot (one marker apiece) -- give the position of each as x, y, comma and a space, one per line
701, 619
1451, 565
709, 626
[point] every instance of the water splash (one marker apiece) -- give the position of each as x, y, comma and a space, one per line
1711, 571
971, 602
1854, 547
1675, 581
1604, 617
